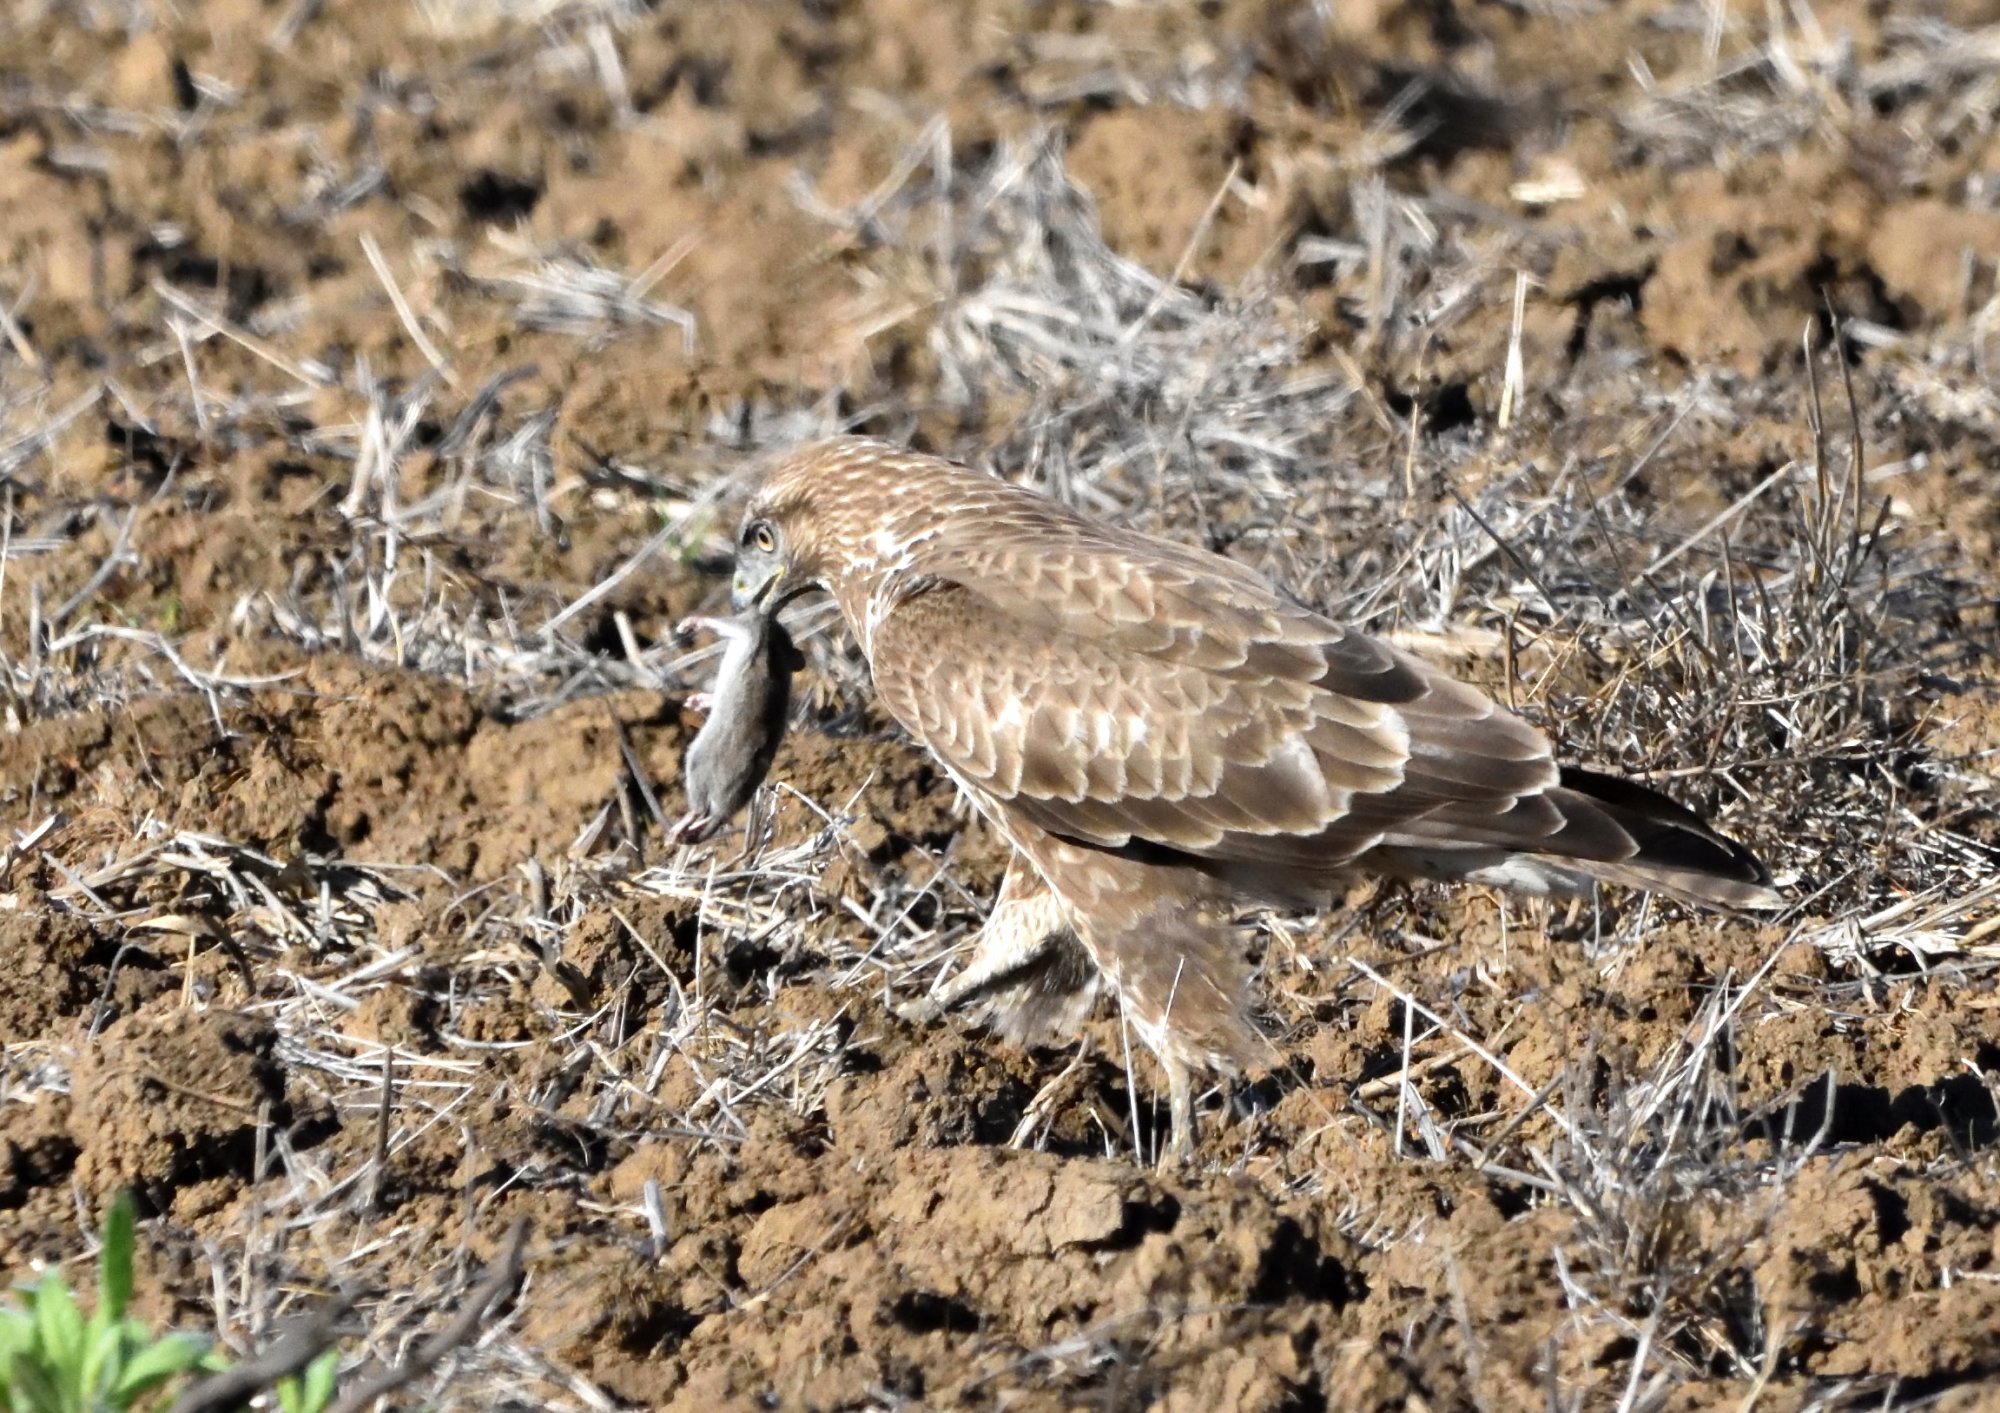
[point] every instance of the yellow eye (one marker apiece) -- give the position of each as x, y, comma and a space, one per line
762, 539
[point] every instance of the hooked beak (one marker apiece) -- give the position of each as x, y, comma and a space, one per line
746, 594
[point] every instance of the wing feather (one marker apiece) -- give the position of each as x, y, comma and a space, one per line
1132, 694
1270, 761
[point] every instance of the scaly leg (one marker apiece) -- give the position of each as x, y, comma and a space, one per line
1168, 948
1179, 1151
1178, 1067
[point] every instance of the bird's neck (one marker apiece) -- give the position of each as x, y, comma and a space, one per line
857, 593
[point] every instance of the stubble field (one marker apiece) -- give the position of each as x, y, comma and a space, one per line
378, 382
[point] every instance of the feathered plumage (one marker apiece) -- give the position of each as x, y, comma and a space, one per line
1160, 732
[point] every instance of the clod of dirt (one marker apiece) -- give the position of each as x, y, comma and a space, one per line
37, 1150
945, 1274
170, 1097
1920, 250
46, 976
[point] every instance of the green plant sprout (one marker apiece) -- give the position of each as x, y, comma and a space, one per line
312, 1391
54, 1360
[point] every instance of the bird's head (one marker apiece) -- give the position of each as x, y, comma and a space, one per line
765, 569
778, 551
820, 519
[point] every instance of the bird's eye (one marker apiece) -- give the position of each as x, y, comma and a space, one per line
761, 537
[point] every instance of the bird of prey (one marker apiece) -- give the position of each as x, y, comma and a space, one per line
1163, 736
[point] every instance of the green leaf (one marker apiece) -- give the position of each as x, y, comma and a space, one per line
36, 1391
17, 1337
17, 1332
114, 1267
312, 1392
320, 1375
105, 1340
52, 1360
103, 1351
59, 1328
168, 1357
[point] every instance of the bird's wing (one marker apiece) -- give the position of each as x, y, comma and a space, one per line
1241, 731
1039, 564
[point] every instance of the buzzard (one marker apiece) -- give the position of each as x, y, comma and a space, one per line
1163, 735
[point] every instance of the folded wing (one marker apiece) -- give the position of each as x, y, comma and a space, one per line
1138, 703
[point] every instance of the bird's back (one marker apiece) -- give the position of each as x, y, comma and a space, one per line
1129, 692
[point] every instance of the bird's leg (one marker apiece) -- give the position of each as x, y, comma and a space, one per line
1180, 1081
1179, 972
1179, 1151
1026, 918
1177, 1066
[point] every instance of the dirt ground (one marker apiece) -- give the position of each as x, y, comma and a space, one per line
377, 381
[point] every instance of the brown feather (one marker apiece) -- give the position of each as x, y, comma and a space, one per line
1157, 728
1045, 1000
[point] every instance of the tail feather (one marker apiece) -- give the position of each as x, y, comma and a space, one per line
1613, 831
1675, 851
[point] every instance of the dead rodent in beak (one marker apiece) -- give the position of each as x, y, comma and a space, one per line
747, 715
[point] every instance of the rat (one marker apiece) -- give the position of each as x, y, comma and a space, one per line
747, 715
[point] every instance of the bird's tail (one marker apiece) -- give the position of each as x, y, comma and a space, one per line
1675, 850
1612, 831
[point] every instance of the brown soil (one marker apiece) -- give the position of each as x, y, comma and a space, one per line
749, 1182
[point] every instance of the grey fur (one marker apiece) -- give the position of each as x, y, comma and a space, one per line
747, 716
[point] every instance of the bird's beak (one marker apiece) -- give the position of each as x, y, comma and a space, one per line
745, 593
